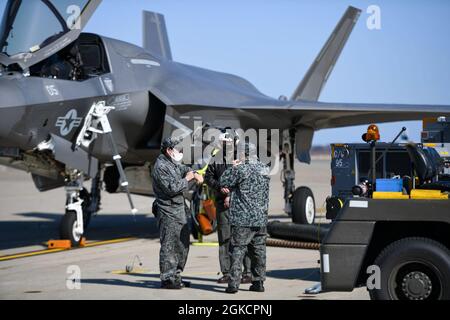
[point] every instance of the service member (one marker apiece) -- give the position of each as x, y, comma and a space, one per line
220, 163
248, 181
170, 180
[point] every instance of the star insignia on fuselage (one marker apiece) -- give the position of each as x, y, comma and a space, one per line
67, 123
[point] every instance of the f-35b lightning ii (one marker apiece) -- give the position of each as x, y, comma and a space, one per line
76, 106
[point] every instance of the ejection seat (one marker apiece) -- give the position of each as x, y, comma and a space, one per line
428, 165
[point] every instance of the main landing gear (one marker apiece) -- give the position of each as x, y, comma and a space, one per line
299, 203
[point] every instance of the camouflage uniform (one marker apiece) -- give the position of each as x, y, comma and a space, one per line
212, 176
169, 185
249, 183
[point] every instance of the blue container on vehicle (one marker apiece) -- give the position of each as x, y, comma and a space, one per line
389, 185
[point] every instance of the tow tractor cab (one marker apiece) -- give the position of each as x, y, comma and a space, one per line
391, 217
436, 135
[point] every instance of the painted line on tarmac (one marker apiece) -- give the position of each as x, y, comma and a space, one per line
101, 243
48, 251
205, 244
134, 271
29, 254
139, 271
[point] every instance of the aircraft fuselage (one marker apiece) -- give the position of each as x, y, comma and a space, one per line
33, 107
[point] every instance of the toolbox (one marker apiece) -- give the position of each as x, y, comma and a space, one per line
389, 185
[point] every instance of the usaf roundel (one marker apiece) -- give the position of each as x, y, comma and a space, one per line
67, 123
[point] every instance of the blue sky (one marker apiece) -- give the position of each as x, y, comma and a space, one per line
272, 43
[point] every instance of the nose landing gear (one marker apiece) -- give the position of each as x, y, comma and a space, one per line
80, 205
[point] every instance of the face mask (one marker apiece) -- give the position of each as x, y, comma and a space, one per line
177, 156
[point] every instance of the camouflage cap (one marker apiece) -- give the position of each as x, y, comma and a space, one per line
169, 143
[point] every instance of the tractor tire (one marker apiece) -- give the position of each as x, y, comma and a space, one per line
413, 269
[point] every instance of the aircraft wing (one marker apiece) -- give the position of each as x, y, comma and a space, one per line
322, 115
263, 112
189, 89
306, 117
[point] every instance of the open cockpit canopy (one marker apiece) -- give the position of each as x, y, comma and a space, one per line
33, 30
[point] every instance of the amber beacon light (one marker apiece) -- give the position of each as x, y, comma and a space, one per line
373, 133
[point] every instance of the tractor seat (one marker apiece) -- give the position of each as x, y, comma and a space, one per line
427, 164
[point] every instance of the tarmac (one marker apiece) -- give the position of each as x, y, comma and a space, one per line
28, 219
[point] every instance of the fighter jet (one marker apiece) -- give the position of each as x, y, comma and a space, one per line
77, 106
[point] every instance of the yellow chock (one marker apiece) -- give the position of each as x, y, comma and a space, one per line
59, 244
419, 194
83, 242
390, 195
64, 244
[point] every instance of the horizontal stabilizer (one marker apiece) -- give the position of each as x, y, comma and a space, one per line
155, 38
317, 75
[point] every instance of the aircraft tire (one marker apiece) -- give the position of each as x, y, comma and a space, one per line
303, 206
67, 226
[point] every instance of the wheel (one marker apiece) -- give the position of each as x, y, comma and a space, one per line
87, 214
303, 206
413, 269
67, 228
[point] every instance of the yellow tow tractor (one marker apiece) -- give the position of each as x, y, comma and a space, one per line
392, 233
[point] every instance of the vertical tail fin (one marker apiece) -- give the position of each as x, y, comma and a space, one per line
155, 38
317, 75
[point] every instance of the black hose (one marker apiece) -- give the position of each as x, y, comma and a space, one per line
297, 232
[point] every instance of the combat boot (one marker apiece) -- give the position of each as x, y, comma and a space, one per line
170, 285
224, 279
231, 290
257, 286
183, 283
